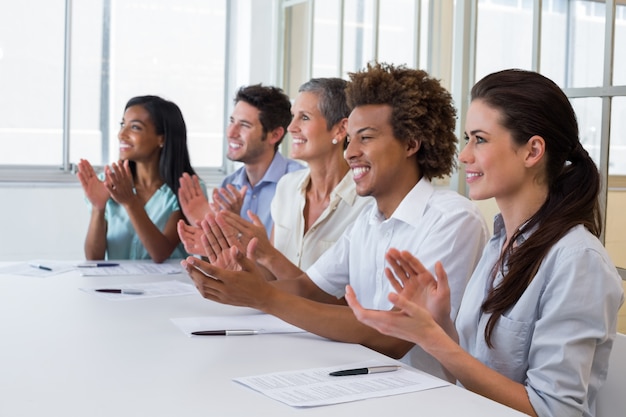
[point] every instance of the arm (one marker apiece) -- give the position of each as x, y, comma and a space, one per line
98, 195
192, 200
159, 245
297, 301
421, 315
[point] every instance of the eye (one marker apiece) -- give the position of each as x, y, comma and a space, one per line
466, 138
305, 117
480, 139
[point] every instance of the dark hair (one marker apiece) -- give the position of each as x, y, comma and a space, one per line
273, 105
532, 105
421, 110
168, 121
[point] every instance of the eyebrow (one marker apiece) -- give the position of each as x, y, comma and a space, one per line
133, 121
474, 132
363, 129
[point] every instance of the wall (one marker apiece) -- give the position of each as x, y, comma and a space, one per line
42, 222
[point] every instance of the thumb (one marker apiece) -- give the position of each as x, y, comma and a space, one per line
255, 219
242, 260
442, 277
251, 249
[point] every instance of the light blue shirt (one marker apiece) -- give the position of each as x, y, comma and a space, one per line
258, 199
122, 240
557, 338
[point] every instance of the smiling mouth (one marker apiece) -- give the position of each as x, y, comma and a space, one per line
359, 172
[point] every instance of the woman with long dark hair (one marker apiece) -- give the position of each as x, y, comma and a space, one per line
134, 205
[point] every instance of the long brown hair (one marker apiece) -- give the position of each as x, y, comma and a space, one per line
531, 104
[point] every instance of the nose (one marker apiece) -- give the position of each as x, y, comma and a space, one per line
122, 132
293, 126
353, 150
465, 154
232, 130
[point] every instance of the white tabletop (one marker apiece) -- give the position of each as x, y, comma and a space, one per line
65, 352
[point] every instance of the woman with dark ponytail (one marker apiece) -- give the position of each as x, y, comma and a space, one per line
539, 315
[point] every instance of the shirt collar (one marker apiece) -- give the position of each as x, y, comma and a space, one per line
274, 172
412, 207
344, 190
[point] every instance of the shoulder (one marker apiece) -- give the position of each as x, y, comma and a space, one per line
293, 165
450, 205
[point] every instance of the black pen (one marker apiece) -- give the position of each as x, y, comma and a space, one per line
43, 267
98, 265
120, 291
364, 371
224, 332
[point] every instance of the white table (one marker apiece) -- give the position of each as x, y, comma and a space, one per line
64, 352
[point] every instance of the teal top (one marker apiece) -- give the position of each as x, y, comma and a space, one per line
122, 240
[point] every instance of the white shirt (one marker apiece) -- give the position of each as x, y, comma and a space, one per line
557, 338
301, 248
434, 225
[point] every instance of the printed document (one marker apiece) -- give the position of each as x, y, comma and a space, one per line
315, 387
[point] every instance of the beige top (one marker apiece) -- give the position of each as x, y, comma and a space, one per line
287, 212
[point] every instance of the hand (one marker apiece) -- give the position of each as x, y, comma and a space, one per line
217, 241
95, 190
191, 238
229, 198
407, 321
245, 231
119, 182
414, 282
245, 287
192, 200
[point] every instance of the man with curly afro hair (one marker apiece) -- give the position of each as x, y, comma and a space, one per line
401, 135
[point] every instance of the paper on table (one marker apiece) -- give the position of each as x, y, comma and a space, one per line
314, 387
134, 268
263, 323
150, 290
30, 268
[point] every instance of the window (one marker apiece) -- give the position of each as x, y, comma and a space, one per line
118, 49
566, 40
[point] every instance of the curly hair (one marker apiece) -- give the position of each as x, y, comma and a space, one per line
421, 110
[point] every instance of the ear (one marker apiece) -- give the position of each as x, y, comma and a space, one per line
340, 130
275, 135
412, 146
535, 150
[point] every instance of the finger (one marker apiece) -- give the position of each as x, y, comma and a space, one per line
243, 191
233, 192
393, 280
442, 277
209, 242
220, 201
353, 303
183, 191
196, 187
251, 248
220, 235
208, 249
256, 220
398, 266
